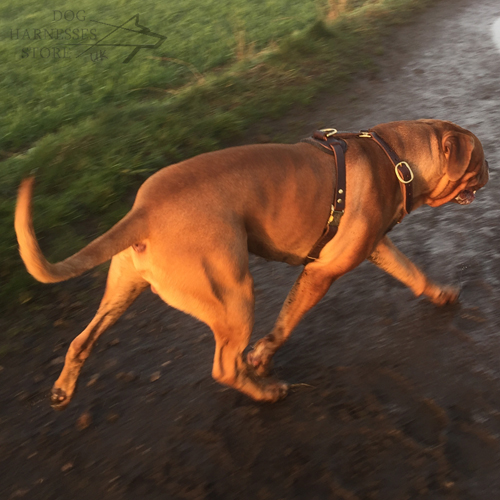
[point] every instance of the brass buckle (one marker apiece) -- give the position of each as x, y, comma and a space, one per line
332, 209
398, 175
365, 134
329, 131
335, 215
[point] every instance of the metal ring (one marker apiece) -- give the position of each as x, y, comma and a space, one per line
398, 174
329, 131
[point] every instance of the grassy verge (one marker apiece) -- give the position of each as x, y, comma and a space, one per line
94, 131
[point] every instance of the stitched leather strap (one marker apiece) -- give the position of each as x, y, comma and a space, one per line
336, 147
405, 174
331, 143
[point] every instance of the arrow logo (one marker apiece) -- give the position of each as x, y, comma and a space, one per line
141, 30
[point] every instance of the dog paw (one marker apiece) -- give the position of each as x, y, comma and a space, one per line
257, 364
445, 295
58, 399
276, 391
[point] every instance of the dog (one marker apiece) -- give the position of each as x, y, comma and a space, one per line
193, 224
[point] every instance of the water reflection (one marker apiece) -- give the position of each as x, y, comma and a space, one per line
496, 32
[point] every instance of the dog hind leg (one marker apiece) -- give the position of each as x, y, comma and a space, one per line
123, 286
232, 326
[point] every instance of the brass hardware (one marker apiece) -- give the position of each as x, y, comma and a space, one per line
330, 219
335, 216
329, 131
399, 176
365, 135
341, 191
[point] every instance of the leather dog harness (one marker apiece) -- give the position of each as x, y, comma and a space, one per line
329, 141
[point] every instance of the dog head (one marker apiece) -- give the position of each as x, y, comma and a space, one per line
462, 171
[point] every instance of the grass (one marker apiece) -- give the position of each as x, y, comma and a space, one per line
93, 131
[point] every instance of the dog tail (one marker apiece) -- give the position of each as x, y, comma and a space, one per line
129, 230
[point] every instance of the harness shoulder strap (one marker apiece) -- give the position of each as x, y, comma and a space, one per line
401, 168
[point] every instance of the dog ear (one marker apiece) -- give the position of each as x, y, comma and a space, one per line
457, 149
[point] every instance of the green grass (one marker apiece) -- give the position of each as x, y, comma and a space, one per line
44, 94
93, 131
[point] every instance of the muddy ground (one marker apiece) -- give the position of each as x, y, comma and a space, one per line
399, 399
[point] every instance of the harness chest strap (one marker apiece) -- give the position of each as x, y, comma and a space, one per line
335, 147
325, 140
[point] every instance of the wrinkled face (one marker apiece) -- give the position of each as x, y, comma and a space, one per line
464, 168
468, 195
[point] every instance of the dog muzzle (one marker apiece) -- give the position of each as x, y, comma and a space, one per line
465, 197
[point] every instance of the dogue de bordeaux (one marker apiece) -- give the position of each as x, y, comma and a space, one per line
192, 225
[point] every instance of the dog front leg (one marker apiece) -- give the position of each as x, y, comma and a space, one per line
387, 256
346, 251
308, 290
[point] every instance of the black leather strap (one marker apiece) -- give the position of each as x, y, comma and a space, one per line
403, 171
328, 141
337, 148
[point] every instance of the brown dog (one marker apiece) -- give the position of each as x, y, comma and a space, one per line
193, 223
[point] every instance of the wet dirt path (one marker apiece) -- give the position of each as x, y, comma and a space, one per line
401, 400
